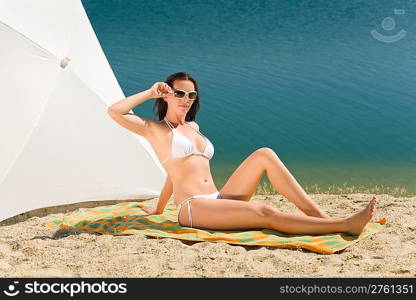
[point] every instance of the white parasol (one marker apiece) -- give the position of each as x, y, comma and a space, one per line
58, 145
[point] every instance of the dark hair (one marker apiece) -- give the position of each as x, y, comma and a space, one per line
160, 107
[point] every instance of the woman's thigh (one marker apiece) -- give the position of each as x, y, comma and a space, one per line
243, 183
226, 214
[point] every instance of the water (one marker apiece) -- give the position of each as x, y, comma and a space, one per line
304, 78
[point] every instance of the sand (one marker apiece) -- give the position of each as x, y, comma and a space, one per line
29, 249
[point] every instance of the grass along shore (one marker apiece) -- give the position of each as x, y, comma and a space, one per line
265, 188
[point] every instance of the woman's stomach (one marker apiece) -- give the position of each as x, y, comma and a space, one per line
190, 177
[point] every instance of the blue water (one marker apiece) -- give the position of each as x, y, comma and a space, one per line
305, 78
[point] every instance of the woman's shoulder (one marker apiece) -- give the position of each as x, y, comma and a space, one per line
194, 124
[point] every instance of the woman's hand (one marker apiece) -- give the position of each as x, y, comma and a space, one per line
150, 210
160, 89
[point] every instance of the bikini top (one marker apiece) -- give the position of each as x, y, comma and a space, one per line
182, 146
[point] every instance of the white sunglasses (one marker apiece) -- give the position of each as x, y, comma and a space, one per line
178, 93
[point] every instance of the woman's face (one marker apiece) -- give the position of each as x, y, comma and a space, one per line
180, 104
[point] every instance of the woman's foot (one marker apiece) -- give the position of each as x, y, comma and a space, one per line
357, 222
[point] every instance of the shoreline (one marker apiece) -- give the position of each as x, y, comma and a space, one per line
30, 249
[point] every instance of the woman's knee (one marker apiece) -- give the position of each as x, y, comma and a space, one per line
267, 213
266, 152
264, 210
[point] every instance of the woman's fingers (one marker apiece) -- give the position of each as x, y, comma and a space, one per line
161, 88
149, 210
164, 88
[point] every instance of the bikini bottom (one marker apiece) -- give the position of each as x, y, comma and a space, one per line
215, 195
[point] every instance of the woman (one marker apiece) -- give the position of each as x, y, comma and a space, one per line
185, 154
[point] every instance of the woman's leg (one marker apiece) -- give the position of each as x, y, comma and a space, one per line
234, 214
243, 183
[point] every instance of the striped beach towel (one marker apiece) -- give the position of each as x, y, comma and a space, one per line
129, 218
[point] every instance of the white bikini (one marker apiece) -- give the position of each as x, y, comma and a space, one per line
182, 146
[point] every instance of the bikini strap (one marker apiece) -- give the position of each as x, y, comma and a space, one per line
189, 124
169, 123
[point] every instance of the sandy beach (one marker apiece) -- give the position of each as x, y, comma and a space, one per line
29, 249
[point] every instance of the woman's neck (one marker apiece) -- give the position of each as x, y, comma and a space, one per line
176, 120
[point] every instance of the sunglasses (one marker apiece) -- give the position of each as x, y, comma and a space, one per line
178, 93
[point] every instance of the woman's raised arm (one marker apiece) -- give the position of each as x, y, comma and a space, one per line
119, 111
